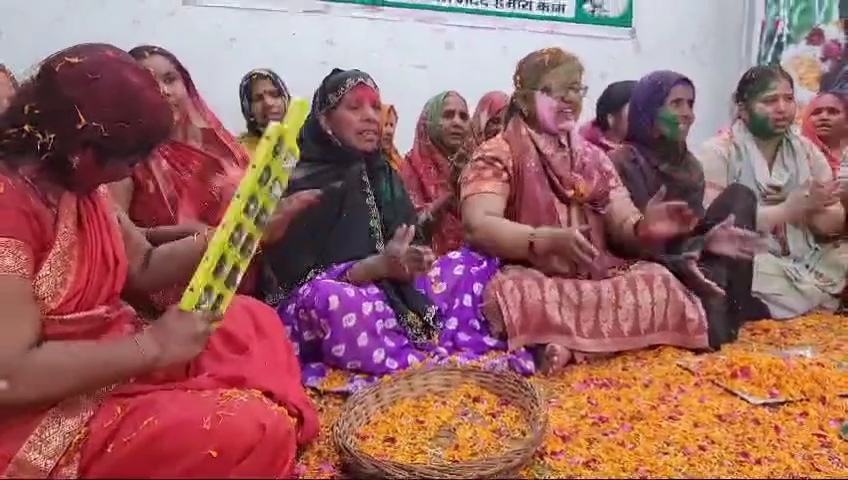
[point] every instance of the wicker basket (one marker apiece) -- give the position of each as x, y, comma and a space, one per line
371, 400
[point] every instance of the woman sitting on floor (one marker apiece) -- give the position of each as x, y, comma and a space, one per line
89, 389
426, 172
798, 197
389, 120
189, 180
715, 260
547, 202
487, 121
359, 289
264, 98
825, 124
609, 128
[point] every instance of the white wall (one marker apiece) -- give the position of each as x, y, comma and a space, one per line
410, 58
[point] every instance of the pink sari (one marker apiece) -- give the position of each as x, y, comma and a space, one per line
615, 307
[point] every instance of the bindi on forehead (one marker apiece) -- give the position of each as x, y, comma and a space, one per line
363, 94
263, 85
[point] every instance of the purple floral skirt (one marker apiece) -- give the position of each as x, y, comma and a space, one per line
339, 327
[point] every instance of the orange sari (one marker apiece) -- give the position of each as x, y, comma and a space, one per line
238, 410
388, 113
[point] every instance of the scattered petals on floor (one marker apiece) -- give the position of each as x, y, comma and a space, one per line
641, 415
469, 423
774, 375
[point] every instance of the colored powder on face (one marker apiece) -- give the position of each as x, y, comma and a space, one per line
545, 113
561, 80
364, 94
669, 124
564, 75
760, 126
758, 123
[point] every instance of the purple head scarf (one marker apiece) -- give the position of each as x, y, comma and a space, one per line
644, 164
647, 99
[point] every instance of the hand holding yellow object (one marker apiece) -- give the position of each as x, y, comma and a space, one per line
252, 216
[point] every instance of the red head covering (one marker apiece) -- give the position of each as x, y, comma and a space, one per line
194, 175
11, 75
809, 131
89, 104
427, 174
490, 105
185, 120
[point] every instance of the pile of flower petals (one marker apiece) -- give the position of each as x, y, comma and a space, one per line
639, 415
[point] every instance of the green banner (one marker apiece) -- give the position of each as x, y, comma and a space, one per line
608, 13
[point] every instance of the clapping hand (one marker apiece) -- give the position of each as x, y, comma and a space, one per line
663, 220
728, 240
403, 261
824, 194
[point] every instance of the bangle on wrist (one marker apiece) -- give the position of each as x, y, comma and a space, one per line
206, 235
531, 243
146, 358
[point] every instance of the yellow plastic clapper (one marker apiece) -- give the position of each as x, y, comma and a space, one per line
234, 243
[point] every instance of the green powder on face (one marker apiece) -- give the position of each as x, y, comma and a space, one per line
758, 123
669, 125
760, 126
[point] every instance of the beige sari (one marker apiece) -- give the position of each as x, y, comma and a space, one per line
798, 274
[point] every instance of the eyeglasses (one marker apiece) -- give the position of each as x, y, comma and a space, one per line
581, 90
562, 93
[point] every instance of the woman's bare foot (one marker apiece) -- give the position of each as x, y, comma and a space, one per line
555, 358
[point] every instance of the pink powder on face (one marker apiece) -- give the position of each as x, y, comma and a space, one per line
546, 113
364, 94
551, 117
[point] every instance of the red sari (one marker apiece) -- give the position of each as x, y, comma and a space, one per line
808, 130
188, 181
238, 411
426, 174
